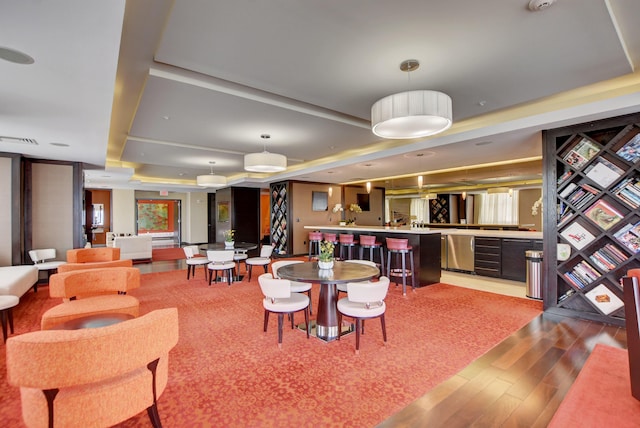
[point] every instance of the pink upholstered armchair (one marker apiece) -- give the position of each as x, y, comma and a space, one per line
90, 292
93, 377
94, 258
90, 255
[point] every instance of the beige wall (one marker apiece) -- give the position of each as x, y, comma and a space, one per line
6, 181
526, 199
375, 215
123, 211
302, 214
196, 218
52, 207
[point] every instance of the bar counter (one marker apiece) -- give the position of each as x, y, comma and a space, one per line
425, 243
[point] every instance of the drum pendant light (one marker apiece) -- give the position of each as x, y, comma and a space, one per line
265, 161
411, 114
211, 180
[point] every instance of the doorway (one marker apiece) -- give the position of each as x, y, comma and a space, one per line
160, 218
97, 216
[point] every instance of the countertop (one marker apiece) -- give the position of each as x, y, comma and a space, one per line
428, 231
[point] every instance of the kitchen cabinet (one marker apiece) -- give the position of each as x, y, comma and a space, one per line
513, 257
488, 256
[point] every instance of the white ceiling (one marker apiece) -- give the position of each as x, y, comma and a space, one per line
154, 90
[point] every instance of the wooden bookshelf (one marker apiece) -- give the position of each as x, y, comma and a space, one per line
591, 200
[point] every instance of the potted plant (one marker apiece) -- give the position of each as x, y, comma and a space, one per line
354, 208
229, 236
325, 259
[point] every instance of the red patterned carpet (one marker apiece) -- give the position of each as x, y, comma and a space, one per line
165, 254
607, 372
226, 372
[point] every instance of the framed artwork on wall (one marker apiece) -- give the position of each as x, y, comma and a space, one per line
363, 201
154, 216
319, 201
223, 212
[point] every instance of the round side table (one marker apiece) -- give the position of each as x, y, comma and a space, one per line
7, 302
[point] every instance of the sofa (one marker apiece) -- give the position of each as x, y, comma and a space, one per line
17, 280
134, 247
94, 376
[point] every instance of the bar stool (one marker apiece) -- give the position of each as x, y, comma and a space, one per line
368, 242
346, 242
315, 238
331, 237
401, 248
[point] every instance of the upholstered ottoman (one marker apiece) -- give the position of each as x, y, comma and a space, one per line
67, 311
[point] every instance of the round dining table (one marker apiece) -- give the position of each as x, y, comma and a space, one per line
246, 246
327, 315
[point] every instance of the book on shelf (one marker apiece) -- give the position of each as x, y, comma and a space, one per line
631, 150
564, 219
567, 190
564, 177
581, 153
585, 272
608, 257
577, 235
603, 172
573, 281
603, 214
629, 236
604, 299
582, 195
582, 275
628, 191
566, 295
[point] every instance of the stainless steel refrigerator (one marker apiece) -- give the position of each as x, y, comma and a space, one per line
460, 253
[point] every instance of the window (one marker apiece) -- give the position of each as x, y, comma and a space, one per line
498, 208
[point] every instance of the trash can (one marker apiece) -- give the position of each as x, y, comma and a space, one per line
534, 273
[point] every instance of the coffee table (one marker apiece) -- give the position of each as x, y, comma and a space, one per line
93, 321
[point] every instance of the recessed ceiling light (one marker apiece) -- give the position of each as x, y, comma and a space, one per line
166, 117
538, 5
181, 174
419, 155
15, 56
59, 144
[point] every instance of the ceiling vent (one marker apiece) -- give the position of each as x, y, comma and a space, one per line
15, 140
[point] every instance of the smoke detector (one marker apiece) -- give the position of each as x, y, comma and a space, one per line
538, 5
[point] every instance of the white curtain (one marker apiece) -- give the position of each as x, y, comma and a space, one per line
420, 210
387, 211
498, 208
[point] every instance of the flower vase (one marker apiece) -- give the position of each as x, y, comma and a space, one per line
229, 244
325, 265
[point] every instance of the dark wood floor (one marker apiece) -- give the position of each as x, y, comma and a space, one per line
519, 383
